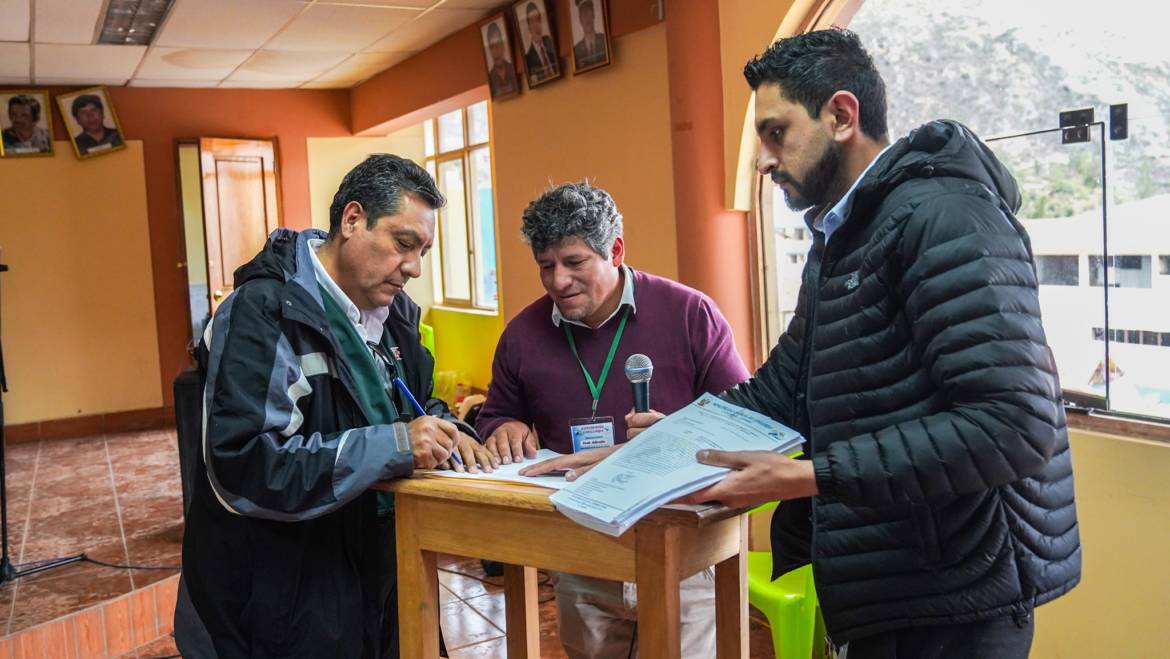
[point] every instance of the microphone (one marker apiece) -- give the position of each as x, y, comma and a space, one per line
639, 368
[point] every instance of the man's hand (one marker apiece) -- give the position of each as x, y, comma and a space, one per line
756, 477
640, 421
431, 441
512, 442
577, 463
473, 455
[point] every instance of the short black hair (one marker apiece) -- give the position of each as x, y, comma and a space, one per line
30, 102
378, 184
84, 100
811, 67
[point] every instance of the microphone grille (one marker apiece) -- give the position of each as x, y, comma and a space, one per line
639, 368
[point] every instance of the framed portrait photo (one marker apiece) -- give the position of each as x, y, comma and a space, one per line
542, 63
91, 121
26, 126
497, 57
590, 25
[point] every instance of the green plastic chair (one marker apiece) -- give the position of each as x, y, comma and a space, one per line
789, 603
426, 336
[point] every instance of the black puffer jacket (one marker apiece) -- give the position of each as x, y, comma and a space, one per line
917, 367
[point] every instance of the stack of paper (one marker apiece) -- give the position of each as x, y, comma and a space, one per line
659, 465
511, 472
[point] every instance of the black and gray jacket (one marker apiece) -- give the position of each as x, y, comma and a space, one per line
916, 366
281, 542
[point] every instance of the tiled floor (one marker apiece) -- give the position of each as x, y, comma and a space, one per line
118, 498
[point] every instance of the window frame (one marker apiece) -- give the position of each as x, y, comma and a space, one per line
471, 219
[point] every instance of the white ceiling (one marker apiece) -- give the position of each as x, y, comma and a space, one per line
271, 44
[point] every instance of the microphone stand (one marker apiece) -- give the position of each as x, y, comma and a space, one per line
7, 571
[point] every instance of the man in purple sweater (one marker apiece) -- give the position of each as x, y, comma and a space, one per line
598, 312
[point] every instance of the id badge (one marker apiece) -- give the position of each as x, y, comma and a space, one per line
587, 433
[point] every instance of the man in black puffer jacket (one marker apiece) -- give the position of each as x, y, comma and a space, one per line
939, 488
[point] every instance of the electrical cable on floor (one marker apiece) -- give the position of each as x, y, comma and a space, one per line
87, 559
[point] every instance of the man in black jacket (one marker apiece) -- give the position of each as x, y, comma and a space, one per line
310, 368
939, 488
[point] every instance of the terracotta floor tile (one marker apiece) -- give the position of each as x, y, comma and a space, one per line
163, 647
119, 635
497, 648
143, 616
462, 626
91, 634
50, 595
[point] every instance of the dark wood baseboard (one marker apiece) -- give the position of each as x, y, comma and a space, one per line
94, 424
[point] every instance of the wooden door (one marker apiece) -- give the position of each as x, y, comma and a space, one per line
240, 205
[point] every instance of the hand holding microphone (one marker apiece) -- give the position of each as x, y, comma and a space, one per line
639, 368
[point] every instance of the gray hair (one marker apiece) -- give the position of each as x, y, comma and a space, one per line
572, 210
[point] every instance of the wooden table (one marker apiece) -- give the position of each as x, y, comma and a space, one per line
518, 526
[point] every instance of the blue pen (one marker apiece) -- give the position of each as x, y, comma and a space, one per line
418, 409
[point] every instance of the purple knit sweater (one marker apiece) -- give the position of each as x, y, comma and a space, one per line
536, 379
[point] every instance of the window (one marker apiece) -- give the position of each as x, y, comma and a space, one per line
1102, 339
1058, 270
465, 244
1124, 271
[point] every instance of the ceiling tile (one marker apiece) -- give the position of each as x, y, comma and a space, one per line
426, 30
14, 27
88, 82
259, 84
104, 62
325, 27
140, 82
14, 60
225, 23
15, 80
473, 4
190, 63
278, 66
414, 4
326, 84
361, 66
67, 21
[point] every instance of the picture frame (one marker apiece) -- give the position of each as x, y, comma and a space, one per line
91, 121
26, 123
542, 61
499, 57
589, 24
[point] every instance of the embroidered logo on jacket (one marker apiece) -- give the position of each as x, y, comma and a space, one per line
853, 282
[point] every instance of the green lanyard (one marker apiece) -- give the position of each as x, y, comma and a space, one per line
595, 389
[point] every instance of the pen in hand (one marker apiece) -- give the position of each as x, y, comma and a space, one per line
418, 409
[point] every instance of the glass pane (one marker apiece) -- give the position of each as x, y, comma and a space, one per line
429, 137
453, 232
477, 123
1062, 213
451, 131
485, 229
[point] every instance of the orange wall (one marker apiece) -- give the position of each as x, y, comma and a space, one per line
79, 316
161, 117
712, 242
565, 132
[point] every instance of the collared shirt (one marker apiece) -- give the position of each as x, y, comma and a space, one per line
832, 220
627, 298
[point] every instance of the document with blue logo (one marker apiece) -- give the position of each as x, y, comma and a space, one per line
659, 465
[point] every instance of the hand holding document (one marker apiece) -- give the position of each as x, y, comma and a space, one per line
511, 473
659, 465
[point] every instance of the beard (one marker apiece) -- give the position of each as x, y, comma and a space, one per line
814, 189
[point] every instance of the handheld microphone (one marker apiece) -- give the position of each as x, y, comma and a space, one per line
639, 368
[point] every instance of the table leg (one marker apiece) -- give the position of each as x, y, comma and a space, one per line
656, 565
522, 611
418, 586
731, 601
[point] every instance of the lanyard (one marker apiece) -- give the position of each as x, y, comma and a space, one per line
595, 389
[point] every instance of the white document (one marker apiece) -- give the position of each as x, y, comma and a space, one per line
511, 473
659, 465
